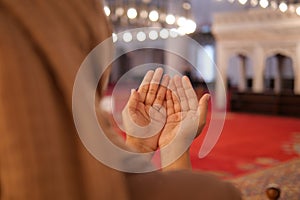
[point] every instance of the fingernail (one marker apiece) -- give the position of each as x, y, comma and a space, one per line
132, 91
185, 77
208, 98
166, 77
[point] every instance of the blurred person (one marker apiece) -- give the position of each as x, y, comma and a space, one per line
42, 44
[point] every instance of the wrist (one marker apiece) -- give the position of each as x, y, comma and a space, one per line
138, 146
176, 155
182, 162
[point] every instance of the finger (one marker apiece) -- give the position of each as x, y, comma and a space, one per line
133, 100
153, 88
163, 110
143, 89
170, 105
181, 93
161, 94
174, 95
165, 103
190, 93
202, 109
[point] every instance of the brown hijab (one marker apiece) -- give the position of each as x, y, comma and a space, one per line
42, 44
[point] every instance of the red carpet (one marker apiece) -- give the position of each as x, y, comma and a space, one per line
249, 143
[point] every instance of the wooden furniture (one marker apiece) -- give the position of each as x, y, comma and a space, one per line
266, 103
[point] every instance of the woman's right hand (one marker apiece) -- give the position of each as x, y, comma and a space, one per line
186, 118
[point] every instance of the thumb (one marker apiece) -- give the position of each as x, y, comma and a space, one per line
202, 110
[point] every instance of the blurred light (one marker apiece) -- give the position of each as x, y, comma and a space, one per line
254, 3
292, 8
170, 19
144, 14
153, 35
186, 5
173, 33
119, 16
127, 37
141, 36
114, 37
131, 13
162, 17
190, 26
119, 11
298, 10
164, 33
181, 21
242, 2
106, 10
273, 4
283, 7
153, 15
181, 31
264, 3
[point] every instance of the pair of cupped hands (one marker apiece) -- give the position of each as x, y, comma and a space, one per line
162, 109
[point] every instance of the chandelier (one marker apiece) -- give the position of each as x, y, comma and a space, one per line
292, 6
130, 14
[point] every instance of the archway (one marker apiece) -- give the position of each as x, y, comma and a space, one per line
279, 74
239, 73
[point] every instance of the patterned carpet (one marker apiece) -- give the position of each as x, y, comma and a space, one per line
285, 175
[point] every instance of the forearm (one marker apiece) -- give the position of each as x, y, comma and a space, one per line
176, 155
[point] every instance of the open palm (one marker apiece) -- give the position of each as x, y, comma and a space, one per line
186, 116
144, 115
163, 112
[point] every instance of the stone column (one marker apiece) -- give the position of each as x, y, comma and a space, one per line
296, 64
242, 73
221, 78
258, 67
